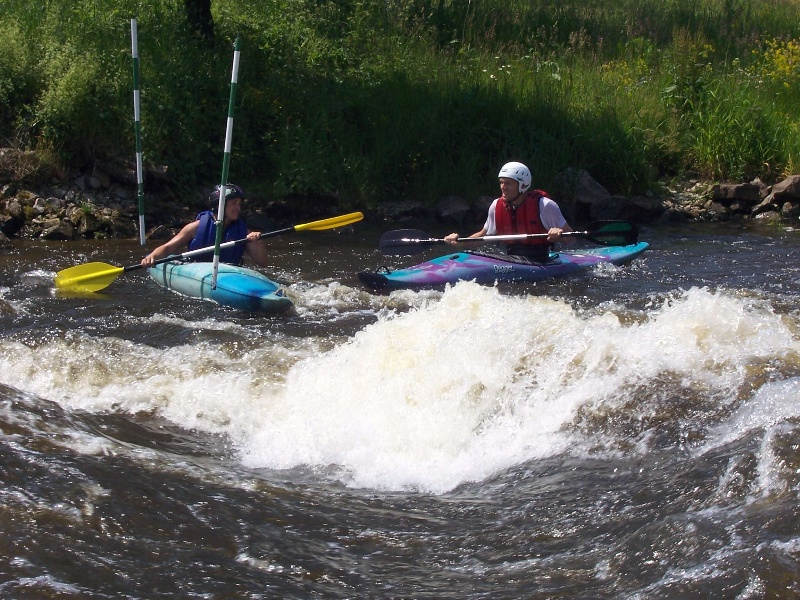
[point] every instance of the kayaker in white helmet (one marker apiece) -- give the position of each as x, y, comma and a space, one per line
521, 209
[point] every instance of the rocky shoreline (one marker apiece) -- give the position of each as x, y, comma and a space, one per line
103, 204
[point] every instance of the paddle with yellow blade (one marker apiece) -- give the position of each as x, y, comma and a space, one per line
95, 276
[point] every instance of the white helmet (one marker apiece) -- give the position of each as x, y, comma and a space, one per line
519, 172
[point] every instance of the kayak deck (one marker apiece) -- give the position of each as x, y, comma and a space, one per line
488, 268
237, 287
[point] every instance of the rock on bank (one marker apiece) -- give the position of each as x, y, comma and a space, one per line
103, 204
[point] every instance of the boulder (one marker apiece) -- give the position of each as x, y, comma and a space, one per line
636, 209
57, 229
787, 190
743, 192
453, 209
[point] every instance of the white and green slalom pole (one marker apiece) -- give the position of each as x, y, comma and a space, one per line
226, 160
137, 125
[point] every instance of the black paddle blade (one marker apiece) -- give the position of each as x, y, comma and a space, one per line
405, 242
613, 233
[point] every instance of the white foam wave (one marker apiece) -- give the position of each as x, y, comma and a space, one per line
463, 385
466, 386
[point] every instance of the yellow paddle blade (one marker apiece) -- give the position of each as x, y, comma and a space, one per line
339, 221
90, 277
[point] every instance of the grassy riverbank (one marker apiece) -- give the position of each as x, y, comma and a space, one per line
411, 98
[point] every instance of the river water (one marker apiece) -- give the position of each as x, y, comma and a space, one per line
630, 432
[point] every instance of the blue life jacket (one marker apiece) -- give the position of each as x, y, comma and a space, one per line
207, 235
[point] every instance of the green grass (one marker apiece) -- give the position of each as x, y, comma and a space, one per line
414, 99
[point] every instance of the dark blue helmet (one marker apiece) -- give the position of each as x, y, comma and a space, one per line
231, 191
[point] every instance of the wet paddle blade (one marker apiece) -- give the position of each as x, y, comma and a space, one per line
613, 233
90, 277
339, 221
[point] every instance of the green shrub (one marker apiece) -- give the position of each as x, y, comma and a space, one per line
18, 76
411, 98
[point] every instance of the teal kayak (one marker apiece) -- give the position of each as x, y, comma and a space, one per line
237, 287
488, 268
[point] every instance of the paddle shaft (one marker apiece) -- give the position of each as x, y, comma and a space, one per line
517, 236
206, 250
614, 233
489, 238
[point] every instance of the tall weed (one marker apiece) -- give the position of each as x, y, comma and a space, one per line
411, 98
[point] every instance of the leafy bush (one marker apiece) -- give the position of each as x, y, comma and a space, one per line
411, 98
17, 76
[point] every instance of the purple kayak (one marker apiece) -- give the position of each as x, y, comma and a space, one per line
488, 268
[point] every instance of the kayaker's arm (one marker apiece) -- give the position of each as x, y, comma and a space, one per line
177, 243
256, 250
453, 237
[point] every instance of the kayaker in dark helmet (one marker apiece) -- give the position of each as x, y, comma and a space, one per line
201, 233
520, 209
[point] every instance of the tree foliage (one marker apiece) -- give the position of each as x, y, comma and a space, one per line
408, 98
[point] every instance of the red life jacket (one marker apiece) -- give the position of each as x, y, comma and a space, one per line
523, 219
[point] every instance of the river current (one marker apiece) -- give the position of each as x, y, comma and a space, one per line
630, 432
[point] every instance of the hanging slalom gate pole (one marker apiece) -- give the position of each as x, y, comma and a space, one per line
226, 160
137, 125
137, 121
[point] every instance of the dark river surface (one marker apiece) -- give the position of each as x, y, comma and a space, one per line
631, 432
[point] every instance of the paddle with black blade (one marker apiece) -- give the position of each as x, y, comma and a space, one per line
405, 242
95, 276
